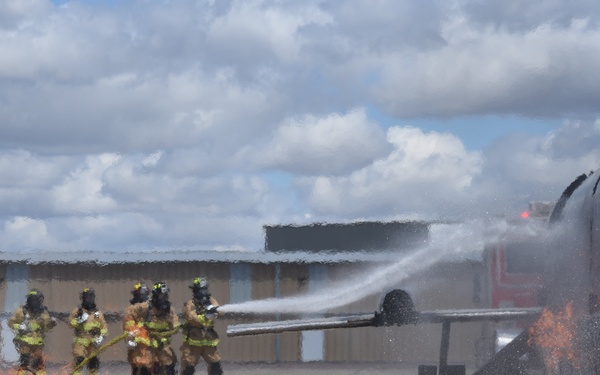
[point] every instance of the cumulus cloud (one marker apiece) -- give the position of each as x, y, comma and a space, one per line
480, 70
161, 125
14, 12
420, 173
22, 233
81, 190
335, 144
539, 168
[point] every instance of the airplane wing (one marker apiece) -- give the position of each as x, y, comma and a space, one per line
377, 319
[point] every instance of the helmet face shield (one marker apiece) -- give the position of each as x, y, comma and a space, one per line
201, 293
164, 289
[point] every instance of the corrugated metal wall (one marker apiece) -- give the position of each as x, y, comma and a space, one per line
413, 344
445, 287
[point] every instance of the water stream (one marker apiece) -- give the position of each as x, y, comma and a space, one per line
447, 243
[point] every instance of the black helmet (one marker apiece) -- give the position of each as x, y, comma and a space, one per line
140, 292
199, 283
200, 289
35, 294
88, 298
35, 300
87, 293
160, 288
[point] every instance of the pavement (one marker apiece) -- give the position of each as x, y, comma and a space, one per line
288, 368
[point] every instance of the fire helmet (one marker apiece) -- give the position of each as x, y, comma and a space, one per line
87, 293
199, 283
88, 299
35, 294
140, 290
200, 289
160, 288
35, 300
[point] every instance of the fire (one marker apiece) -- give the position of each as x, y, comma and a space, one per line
555, 334
142, 357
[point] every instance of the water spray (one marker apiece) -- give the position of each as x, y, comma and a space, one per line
447, 243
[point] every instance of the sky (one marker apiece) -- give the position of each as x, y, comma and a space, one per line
140, 125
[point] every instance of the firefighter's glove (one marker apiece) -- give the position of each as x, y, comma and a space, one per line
132, 334
23, 328
83, 318
131, 343
211, 312
98, 340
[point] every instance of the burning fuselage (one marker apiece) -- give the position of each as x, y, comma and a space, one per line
567, 334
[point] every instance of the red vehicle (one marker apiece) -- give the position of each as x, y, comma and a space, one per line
515, 272
516, 275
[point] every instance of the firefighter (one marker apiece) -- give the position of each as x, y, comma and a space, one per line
199, 337
90, 330
31, 322
140, 294
150, 325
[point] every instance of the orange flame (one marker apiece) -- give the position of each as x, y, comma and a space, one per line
554, 334
142, 357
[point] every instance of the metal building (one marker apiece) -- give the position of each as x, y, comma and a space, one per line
241, 276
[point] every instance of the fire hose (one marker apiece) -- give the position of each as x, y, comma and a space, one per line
98, 351
113, 342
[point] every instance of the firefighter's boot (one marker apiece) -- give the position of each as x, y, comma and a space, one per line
93, 366
188, 370
24, 360
170, 369
78, 361
215, 369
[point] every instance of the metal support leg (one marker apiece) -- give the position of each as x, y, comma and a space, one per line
444, 347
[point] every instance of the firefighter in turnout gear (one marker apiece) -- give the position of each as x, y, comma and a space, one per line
140, 294
151, 325
200, 340
31, 322
90, 330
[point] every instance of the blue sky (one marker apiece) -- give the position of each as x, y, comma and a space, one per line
476, 132
149, 125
